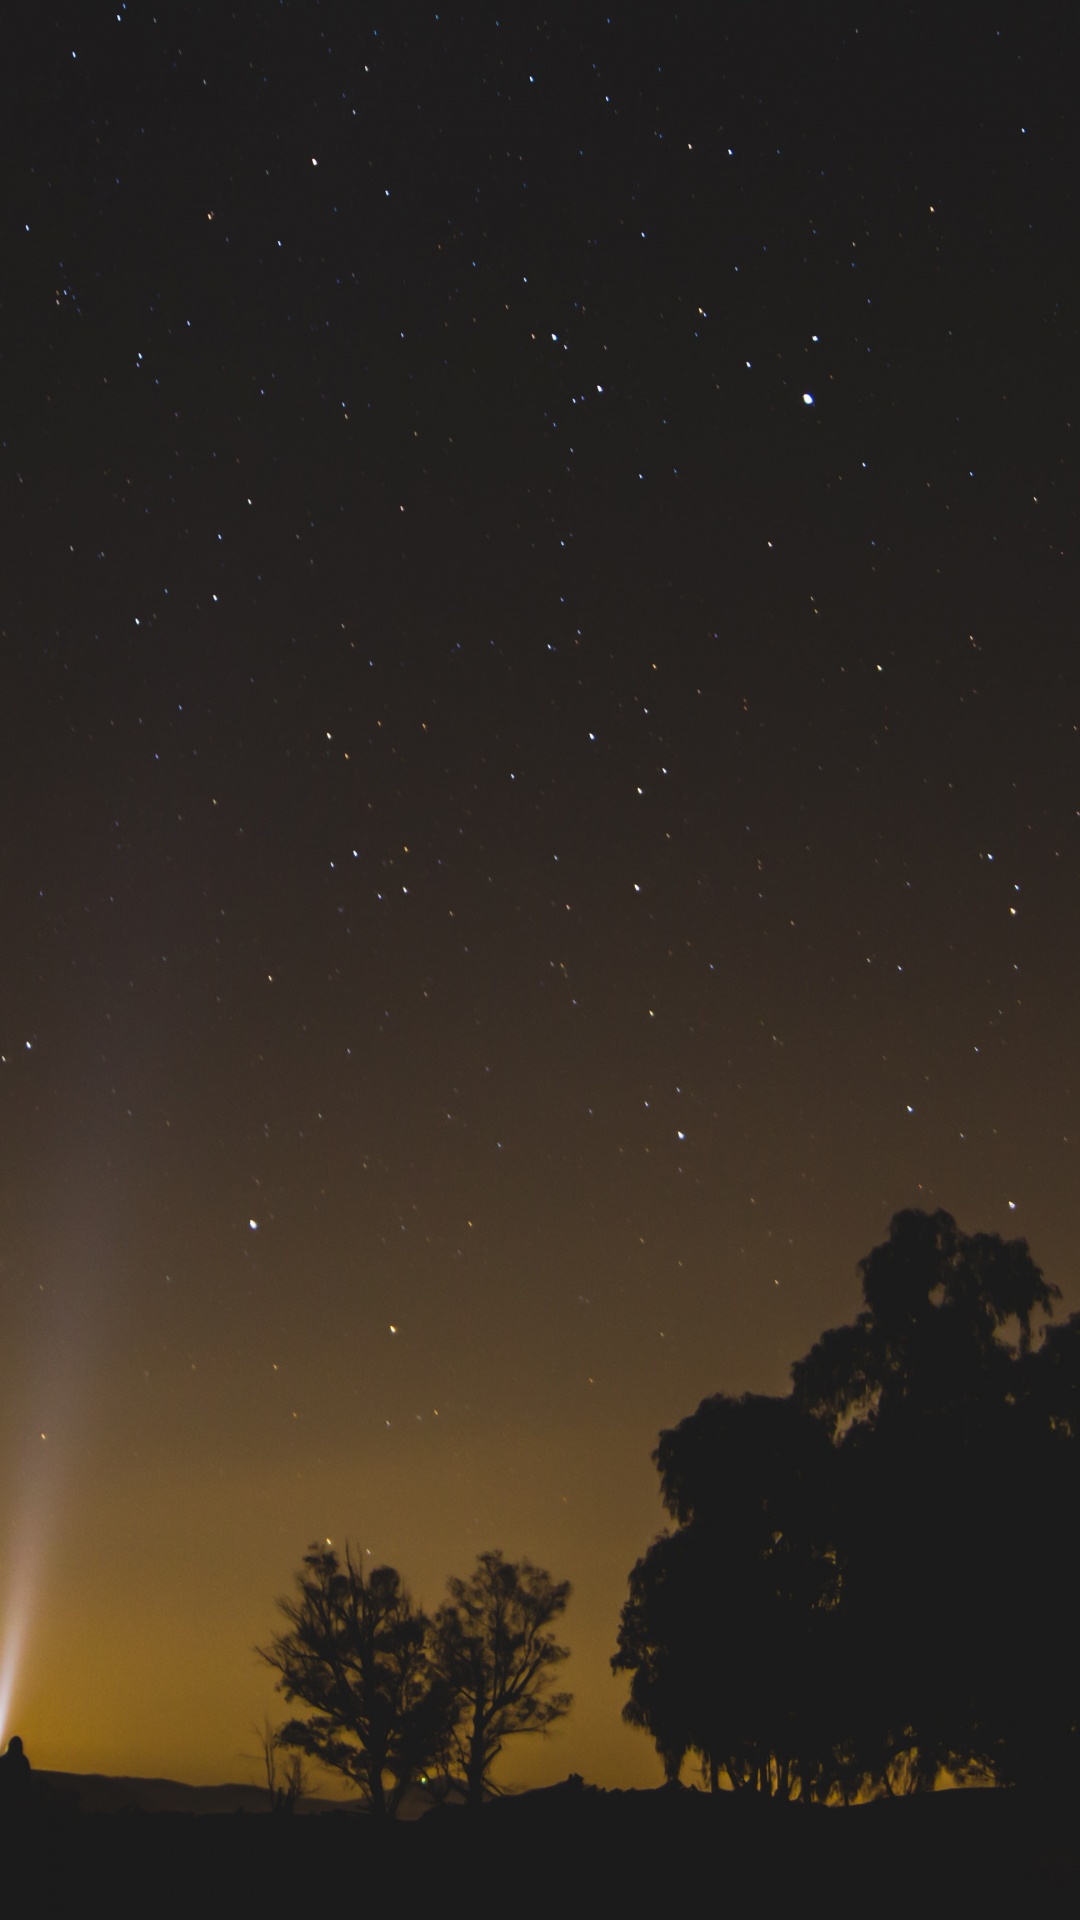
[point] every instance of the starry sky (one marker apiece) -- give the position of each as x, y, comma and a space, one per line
540, 779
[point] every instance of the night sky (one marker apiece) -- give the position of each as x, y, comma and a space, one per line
540, 779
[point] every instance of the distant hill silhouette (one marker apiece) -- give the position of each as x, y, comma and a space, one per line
105, 1793
98, 1793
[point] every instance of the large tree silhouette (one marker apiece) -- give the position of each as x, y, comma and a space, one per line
928, 1400
727, 1631
866, 1574
355, 1651
495, 1656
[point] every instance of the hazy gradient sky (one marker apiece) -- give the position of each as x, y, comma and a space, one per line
540, 779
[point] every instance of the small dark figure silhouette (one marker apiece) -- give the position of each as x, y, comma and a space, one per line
14, 1778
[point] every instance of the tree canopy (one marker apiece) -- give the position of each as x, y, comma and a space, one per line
726, 1631
862, 1572
496, 1657
355, 1650
395, 1694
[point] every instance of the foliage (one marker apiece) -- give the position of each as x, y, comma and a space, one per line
933, 1332
728, 1627
355, 1651
397, 1696
495, 1657
862, 1572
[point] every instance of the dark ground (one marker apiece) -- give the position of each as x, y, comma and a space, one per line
566, 1851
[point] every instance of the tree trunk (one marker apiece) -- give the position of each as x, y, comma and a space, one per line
474, 1770
376, 1792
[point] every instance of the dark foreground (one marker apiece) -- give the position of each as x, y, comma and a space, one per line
566, 1851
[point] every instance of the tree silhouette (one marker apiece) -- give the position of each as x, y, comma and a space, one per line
495, 1657
727, 1631
863, 1572
355, 1651
1040, 1697
926, 1398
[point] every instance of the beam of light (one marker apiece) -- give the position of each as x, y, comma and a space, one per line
30, 1530
33, 1484
41, 1437
19, 1601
